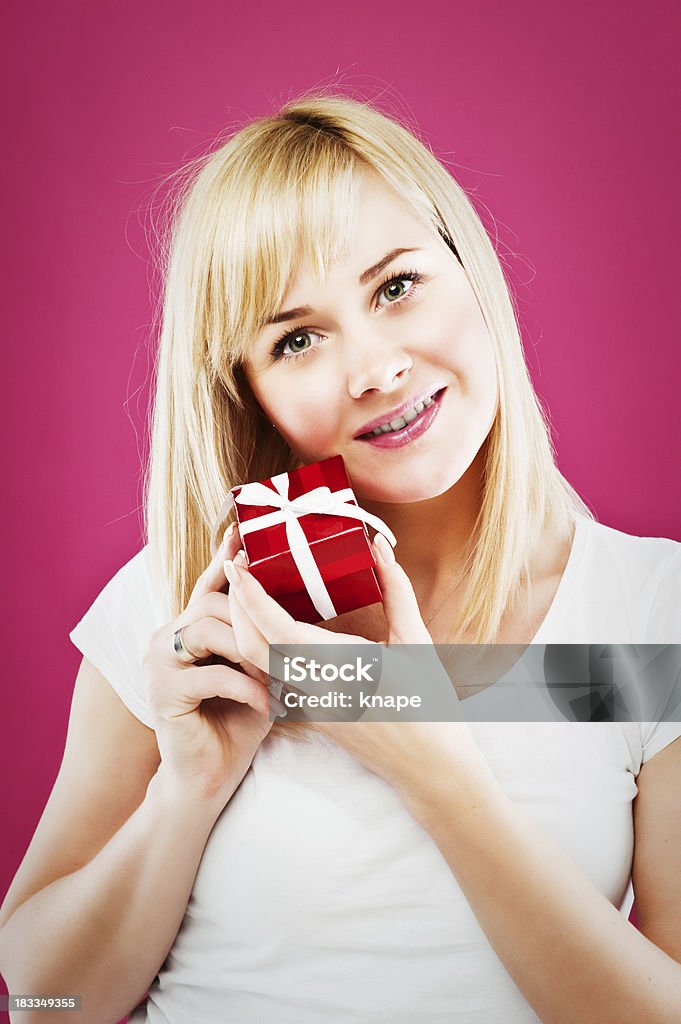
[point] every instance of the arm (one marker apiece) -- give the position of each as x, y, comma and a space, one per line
102, 890
571, 953
100, 895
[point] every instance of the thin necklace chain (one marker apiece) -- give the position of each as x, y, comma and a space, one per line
446, 598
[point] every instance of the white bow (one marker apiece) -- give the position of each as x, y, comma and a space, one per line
322, 500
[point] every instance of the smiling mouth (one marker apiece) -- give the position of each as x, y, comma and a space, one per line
409, 416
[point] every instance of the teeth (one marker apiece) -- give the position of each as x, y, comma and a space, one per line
402, 421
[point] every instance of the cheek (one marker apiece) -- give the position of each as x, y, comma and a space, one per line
470, 350
305, 412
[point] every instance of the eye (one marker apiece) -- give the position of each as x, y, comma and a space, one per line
394, 287
297, 344
294, 343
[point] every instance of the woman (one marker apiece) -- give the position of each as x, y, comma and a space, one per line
325, 276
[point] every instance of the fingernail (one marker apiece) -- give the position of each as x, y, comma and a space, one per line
223, 543
384, 549
275, 686
240, 559
277, 709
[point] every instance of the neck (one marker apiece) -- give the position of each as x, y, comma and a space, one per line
433, 536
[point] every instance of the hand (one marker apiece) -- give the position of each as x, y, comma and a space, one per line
209, 718
409, 754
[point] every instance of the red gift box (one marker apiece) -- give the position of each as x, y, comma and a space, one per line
335, 547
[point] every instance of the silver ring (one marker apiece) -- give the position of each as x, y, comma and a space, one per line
186, 656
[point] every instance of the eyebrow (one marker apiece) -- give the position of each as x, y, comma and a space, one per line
368, 275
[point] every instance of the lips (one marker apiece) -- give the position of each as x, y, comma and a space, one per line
398, 411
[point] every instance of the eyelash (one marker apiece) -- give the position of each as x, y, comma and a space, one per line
278, 348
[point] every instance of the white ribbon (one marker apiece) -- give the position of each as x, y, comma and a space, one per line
320, 501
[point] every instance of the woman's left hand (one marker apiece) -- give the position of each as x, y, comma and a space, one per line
416, 757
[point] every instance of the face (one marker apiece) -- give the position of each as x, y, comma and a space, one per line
391, 367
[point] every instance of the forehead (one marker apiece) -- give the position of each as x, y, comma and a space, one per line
383, 221
281, 227
340, 216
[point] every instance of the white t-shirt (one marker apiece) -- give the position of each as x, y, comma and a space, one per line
319, 900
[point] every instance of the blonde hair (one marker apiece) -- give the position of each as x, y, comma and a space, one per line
281, 190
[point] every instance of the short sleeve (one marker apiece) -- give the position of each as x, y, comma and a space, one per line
664, 621
664, 627
655, 736
115, 631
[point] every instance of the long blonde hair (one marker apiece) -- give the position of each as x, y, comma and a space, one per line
281, 190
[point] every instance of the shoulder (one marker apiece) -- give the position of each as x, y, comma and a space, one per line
135, 594
647, 572
115, 630
132, 574
632, 555
140, 575
625, 588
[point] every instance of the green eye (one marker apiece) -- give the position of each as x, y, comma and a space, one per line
395, 289
399, 287
299, 342
296, 343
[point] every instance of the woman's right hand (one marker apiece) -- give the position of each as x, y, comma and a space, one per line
210, 719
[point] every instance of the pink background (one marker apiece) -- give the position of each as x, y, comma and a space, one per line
561, 118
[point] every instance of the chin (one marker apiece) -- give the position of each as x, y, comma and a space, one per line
420, 485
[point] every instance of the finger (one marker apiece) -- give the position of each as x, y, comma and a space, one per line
252, 646
270, 620
401, 608
199, 684
213, 577
214, 605
203, 638
254, 642
209, 635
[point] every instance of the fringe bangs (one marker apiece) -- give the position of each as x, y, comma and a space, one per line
291, 204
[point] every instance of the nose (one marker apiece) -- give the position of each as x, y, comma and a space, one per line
375, 364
